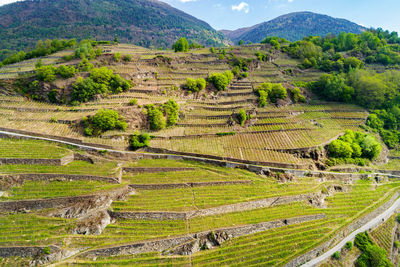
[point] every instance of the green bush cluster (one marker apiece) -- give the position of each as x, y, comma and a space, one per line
355, 145
162, 116
271, 91
49, 73
182, 45
137, 140
388, 125
195, 85
171, 109
372, 255
42, 48
86, 50
242, 116
102, 121
101, 81
297, 96
221, 80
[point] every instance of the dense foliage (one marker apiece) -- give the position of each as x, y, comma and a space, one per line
372, 255
221, 80
49, 73
295, 26
86, 50
101, 81
271, 91
379, 92
102, 121
182, 45
42, 48
137, 140
242, 117
171, 110
142, 22
195, 85
354, 147
162, 116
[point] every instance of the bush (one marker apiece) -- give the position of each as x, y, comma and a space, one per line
263, 98
349, 245
297, 96
66, 71
195, 85
182, 45
373, 256
336, 255
362, 241
127, 58
374, 122
139, 140
242, 117
396, 244
106, 119
355, 145
277, 92
117, 57
46, 73
133, 102
171, 109
156, 118
221, 80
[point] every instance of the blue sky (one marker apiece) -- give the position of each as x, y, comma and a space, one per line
233, 14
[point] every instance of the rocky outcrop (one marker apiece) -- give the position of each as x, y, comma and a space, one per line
93, 224
41, 255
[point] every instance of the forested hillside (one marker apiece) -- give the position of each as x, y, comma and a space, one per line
142, 22
295, 26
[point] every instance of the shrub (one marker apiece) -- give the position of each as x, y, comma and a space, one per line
171, 109
243, 75
85, 65
52, 96
182, 45
221, 80
225, 134
106, 119
349, 245
373, 256
66, 71
297, 96
396, 244
374, 122
362, 241
133, 102
46, 250
139, 140
340, 149
277, 92
46, 73
127, 58
263, 98
156, 118
242, 117
195, 85
370, 147
117, 57
336, 255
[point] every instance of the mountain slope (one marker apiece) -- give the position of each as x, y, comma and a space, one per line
294, 26
142, 22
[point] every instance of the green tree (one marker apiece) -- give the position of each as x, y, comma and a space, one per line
171, 109
108, 120
156, 118
182, 45
242, 116
139, 140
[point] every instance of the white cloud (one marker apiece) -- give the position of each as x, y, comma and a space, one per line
243, 6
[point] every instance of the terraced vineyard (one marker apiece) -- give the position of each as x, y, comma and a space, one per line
207, 191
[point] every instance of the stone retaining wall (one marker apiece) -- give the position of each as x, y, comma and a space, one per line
58, 162
58, 176
183, 185
62, 202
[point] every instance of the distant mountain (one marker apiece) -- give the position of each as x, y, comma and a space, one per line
293, 27
142, 22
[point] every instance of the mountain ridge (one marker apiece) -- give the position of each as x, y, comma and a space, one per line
294, 26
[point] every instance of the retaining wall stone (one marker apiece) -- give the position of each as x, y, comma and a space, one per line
183, 185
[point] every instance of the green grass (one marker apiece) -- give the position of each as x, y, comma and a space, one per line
32, 230
75, 167
43, 189
13, 148
184, 199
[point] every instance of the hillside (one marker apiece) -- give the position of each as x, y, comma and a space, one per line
142, 22
293, 27
209, 157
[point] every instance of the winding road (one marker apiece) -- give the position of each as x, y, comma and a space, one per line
369, 225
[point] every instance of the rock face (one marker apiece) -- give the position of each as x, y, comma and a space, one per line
93, 224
